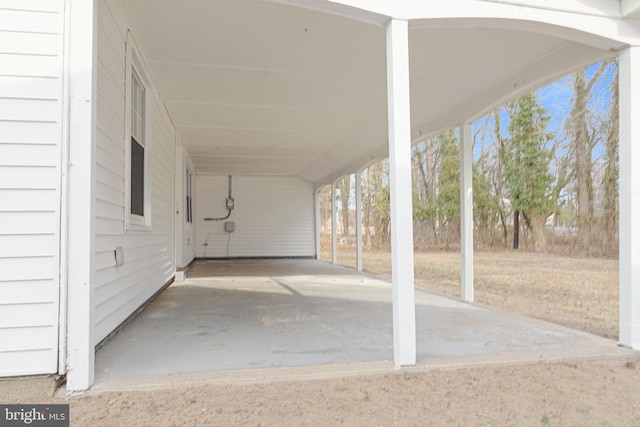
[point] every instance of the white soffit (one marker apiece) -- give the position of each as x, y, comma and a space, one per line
261, 87
630, 8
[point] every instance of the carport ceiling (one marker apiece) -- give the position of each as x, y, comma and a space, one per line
265, 87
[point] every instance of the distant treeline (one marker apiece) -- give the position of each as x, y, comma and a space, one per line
540, 183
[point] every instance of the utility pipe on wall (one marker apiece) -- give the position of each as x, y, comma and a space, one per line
229, 204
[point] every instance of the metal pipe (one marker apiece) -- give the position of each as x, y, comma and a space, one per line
228, 210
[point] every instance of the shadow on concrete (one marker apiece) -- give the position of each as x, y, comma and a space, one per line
285, 313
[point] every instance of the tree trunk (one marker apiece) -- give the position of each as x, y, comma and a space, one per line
516, 229
499, 181
610, 179
367, 211
383, 231
345, 191
537, 225
505, 233
582, 153
582, 149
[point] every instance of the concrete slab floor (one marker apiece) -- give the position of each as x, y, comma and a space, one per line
254, 314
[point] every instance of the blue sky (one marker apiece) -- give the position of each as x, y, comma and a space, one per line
556, 99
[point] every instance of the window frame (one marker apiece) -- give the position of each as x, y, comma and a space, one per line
188, 217
136, 69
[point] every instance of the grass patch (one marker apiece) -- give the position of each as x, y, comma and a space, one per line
581, 293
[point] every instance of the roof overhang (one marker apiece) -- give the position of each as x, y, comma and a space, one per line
298, 88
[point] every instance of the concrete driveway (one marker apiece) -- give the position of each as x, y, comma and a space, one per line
255, 314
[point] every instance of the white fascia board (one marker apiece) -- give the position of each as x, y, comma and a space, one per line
381, 7
410, 9
630, 8
593, 21
596, 31
610, 8
339, 8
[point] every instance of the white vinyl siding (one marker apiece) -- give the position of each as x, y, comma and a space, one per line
31, 62
274, 217
149, 254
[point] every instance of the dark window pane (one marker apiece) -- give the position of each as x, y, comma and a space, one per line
137, 178
189, 216
188, 209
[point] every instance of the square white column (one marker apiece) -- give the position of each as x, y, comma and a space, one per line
466, 212
359, 220
404, 317
629, 69
334, 226
318, 225
81, 75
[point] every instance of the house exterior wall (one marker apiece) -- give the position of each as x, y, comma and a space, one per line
188, 229
185, 230
149, 254
31, 88
274, 217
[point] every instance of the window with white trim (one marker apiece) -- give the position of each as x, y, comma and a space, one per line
137, 146
189, 207
138, 142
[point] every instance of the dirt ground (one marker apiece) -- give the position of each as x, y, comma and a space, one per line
580, 293
558, 394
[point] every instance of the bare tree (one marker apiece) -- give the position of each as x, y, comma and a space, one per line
611, 170
344, 186
498, 180
584, 138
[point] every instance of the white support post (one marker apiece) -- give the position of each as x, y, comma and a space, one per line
359, 220
629, 69
334, 226
466, 212
179, 200
81, 78
402, 275
318, 225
